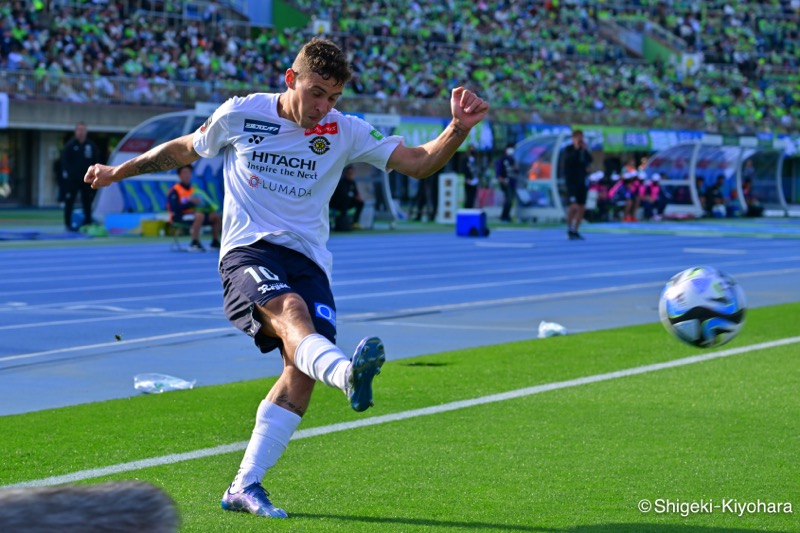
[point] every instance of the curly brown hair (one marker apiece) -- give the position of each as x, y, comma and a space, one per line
325, 58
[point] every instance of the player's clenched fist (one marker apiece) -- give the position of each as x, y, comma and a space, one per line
468, 107
99, 176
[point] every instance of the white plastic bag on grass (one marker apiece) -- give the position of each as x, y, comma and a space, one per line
154, 383
551, 329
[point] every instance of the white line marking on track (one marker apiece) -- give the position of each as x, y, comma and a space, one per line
403, 323
115, 343
403, 415
489, 244
714, 251
497, 301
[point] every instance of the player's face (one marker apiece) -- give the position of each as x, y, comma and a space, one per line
314, 97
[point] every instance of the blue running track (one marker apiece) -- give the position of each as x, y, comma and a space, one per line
78, 322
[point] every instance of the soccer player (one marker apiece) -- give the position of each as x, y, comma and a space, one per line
283, 156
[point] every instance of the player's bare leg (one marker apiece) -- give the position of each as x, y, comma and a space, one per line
308, 357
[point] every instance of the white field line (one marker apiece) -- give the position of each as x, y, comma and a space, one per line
403, 415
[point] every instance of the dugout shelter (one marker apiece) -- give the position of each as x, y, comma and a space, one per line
538, 182
772, 170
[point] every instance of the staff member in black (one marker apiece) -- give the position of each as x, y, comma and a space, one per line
345, 197
78, 155
577, 160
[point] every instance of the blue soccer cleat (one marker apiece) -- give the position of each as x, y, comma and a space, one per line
252, 499
366, 364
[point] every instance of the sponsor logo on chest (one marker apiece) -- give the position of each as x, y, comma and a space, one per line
260, 126
331, 128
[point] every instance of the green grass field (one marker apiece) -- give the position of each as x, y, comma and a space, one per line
574, 459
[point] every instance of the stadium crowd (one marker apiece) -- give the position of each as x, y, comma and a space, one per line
528, 55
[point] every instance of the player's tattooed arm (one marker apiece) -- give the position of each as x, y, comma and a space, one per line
459, 130
161, 162
170, 155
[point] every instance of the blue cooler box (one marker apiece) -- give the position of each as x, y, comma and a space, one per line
471, 223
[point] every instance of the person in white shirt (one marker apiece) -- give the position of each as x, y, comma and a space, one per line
283, 156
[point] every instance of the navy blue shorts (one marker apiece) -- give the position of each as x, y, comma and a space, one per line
254, 274
576, 194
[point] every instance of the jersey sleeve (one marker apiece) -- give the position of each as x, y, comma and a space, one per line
214, 134
370, 145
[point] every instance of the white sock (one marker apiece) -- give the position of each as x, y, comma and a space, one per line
319, 358
274, 427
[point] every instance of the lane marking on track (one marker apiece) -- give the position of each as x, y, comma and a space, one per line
117, 343
403, 415
367, 316
714, 251
489, 244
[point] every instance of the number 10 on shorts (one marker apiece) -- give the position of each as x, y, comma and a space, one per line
264, 272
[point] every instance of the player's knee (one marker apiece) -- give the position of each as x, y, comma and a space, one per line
299, 381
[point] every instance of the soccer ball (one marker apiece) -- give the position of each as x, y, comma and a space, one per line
702, 306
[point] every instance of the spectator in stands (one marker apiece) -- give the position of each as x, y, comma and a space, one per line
576, 160
758, 90
78, 155
212, 14
275, 266
506, 172
345, 198
187, 203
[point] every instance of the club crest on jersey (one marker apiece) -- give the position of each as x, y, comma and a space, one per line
319, 145
331, 128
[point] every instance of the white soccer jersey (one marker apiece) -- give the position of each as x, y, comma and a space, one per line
279, 177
